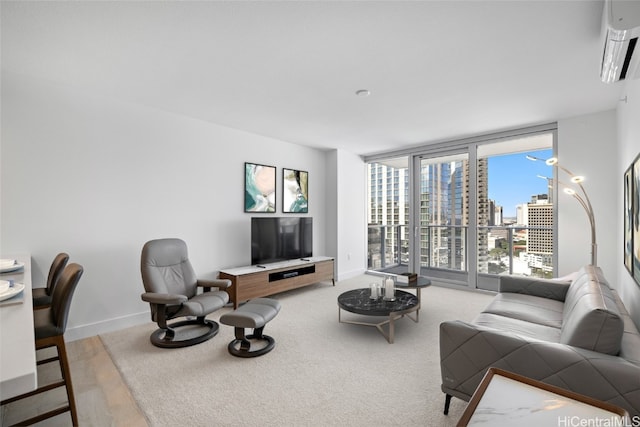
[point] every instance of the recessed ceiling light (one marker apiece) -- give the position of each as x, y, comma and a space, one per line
363, 92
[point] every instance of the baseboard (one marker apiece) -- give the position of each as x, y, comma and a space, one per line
115, 324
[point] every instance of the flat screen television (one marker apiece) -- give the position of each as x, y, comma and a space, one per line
276, 239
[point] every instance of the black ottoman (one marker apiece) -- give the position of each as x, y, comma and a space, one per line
254, 314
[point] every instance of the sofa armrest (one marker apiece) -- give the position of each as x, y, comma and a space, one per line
467, 351
545, 288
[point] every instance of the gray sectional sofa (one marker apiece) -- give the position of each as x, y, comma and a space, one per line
573, 334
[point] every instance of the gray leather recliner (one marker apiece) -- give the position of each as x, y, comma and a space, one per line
172, 291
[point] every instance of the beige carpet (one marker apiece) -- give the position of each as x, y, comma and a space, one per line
321, 372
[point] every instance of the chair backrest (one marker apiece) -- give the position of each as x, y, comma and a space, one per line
58, 264
62, 294
166, 268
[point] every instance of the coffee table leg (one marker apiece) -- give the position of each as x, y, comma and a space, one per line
380, 327
389, 335
417, 318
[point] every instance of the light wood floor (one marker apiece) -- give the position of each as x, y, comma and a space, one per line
102, 397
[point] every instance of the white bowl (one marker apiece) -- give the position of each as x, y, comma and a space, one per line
4, 286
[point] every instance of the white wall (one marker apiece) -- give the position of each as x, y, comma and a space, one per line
628, 149
351, 218
601, 146
97, 178
331, 207
587, 146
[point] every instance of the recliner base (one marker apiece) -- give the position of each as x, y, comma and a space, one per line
165, 337
244, 350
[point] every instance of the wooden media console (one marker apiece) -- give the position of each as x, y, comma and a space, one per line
263, 280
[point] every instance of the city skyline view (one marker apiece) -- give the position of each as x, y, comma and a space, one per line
513, 179
503, 178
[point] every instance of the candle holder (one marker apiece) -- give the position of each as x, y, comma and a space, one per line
375, 291
389, 289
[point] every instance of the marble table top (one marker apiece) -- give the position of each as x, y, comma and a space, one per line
358, 301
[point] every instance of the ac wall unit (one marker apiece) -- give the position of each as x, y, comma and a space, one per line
621, 28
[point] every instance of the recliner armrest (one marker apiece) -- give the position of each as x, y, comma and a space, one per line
214, 283
166, 299
545, 288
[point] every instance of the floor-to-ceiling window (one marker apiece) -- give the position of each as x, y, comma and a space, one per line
442, 208
515, 209
465, 212
388, 214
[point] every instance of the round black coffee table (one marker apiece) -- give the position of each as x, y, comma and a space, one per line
358, 301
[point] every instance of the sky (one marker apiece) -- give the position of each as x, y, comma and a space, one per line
513, 179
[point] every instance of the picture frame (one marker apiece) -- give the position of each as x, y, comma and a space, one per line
628, 220
635, 218
259, 188
295, 191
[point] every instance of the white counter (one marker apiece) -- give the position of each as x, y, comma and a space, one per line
18, 372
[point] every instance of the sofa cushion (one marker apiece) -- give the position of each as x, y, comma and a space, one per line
542, 311
591, 318
532, 331
544, 288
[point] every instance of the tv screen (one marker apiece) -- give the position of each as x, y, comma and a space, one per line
276, 239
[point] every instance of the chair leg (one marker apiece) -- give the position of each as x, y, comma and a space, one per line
257, 333
169, 334
447, 402
58, 343
245, 344
66, 375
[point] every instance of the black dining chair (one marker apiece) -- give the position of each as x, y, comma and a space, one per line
42, 296
49, 326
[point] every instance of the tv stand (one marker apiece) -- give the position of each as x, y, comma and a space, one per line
267, 279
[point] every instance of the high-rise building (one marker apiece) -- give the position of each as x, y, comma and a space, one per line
492, 212
522, 214
540, 238
444, 202
444, 213
484, 215
498, 216
388, 192
540, 198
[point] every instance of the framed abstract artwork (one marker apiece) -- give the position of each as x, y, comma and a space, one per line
635, 218
295, 191
259, 188
628, 220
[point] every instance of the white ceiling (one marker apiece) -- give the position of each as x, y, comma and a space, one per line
437, 70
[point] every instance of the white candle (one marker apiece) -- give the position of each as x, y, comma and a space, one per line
374, 290
388, 289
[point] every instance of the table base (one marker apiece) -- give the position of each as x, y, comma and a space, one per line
393, 316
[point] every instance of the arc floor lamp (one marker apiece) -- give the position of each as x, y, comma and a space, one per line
582, 198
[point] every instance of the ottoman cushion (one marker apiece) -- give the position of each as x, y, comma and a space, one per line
254, 314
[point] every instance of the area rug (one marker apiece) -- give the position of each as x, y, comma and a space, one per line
321, 372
